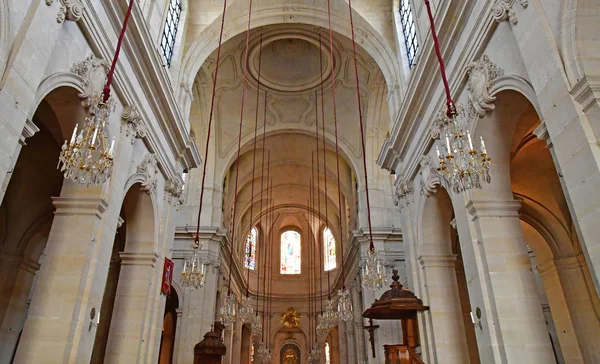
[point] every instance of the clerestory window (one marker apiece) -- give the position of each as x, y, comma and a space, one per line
167, 43
409, 31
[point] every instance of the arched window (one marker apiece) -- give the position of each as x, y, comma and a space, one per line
327, 353
251, 240
290, 252
410, 32
167, 42
329, 246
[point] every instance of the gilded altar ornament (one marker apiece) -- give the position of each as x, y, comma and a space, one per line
290, 318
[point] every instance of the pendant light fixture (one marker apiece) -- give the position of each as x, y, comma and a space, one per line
87, 158
189, 275
459, 162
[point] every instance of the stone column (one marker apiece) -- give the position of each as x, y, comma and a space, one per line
351, 342
130, 326
358, 323
70, 281
579, 301
236, 344
512, 309
178, 334
343, 342
16, 313
444, 308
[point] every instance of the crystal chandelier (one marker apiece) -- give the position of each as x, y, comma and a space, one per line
87, 158
327, 320
345, 312
246, 310
227, 312
263, 353
460, 163
373, 273
256, 325
193, 275
314, 355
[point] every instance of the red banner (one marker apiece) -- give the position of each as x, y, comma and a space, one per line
167, 277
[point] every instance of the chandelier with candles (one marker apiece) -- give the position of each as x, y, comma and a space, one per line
88, 157
193, 275
463, 166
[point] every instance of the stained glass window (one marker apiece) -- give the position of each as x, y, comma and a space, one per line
290, 252
329, 246
327, 353
410, 32
250, 253
167, 42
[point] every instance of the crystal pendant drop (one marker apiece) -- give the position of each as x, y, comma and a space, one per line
329, 317
345, 312
227, 312
246, 310
256, 325
373, 273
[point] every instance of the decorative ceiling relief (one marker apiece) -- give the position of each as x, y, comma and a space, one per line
292, 110
93, 71
503, 10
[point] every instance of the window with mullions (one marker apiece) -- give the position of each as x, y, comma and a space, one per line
290, 252
167, 42
329, 246
410, 32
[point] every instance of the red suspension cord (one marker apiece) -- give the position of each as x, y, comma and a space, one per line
254, 161
362, 130
258, 280
337, 150
111, 73
436, 44
210, 119
237, 164
321, 266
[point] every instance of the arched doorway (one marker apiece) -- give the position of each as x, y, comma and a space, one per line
167, 339
290, 354
26, 212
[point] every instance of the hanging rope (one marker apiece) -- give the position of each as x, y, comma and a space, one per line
258, 278
324, 152
210, 119
321, 266
270, 215
337, 150
111, 73
262, 188
449, 102
362, 130
237, 164
254, 163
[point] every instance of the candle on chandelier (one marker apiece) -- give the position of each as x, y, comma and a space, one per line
74, 134
448, 144
94, 136
437, 150
483, 150
470, 141
112, 147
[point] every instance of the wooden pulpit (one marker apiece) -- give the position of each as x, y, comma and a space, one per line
211, 349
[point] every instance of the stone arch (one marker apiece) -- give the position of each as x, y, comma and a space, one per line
236, 20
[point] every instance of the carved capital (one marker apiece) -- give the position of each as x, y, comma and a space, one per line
149, 168
68, 10
93, 70
541, 132
430, 177
481, 73
502, 10
133, 124
403, 194
174, 192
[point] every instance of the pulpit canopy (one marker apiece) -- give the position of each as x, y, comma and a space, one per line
396, 303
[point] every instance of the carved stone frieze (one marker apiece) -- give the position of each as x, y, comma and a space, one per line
133, 124
174, 192
69, 10
93, 70
403, 194
481, 75
149, 168
430, 177
502, 10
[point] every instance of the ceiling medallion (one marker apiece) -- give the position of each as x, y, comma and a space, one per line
290, 318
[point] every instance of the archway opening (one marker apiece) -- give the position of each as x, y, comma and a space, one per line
169, 328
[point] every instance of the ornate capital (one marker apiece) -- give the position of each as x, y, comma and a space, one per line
403, 194
69, 10
93, 70
481, 73
133, 124
174, 192
503, 10
149, 168
430, 177
541, 132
